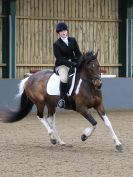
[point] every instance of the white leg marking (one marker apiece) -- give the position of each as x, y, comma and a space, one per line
78, 86
51, 122
109, 126
88, 131
45, 123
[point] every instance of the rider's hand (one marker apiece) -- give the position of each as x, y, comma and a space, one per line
74, 64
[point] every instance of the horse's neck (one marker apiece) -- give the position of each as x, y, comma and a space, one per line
84, 75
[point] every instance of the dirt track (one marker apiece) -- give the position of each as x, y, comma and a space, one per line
25, 150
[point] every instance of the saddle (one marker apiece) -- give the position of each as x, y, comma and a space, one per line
53, 84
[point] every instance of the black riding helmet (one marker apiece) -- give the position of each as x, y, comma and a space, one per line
61, 26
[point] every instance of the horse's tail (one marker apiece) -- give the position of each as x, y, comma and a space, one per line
7, 115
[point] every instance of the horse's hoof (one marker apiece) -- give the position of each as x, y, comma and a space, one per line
62, 143
84, 137
53, 141
119, 147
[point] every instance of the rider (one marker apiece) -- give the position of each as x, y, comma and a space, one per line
67, 54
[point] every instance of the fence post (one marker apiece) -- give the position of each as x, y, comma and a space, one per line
9, 39
129, 43
12, 39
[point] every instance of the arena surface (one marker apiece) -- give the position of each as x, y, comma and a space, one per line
25, 149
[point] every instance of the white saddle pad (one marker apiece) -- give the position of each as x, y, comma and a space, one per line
54, 83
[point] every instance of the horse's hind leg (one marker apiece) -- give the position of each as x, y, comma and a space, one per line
40, 116
51, 121
47, 124
43, 120
108, 124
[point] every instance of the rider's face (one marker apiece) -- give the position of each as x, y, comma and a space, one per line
63, 33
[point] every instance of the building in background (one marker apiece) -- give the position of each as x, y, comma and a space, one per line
27, 33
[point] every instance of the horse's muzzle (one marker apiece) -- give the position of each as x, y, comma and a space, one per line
97, 83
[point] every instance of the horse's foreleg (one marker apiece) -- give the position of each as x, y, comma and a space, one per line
87, 133
114, 137
108, 124
51, 122
89, 130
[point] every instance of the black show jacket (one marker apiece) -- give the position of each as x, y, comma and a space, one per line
64, 54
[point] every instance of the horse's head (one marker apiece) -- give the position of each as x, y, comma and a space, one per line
92, 69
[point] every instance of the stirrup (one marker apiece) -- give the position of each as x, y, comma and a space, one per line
61, 103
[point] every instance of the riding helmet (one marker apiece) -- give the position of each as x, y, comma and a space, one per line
61, 26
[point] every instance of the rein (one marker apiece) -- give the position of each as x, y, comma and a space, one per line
96, 78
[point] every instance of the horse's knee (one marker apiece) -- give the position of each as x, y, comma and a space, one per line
91, 119
93, 122
84, 112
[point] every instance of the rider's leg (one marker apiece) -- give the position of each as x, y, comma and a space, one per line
63, 73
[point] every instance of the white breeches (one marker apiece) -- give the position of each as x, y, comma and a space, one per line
63, 73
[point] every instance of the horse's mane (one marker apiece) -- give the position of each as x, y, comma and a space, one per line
89, 56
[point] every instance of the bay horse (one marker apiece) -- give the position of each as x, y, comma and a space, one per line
86, 94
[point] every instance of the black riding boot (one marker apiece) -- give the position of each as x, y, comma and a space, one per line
63, 89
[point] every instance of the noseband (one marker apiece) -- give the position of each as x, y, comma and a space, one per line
93, 80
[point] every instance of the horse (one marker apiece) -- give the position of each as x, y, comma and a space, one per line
86, 94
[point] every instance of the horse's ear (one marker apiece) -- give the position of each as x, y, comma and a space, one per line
96, 53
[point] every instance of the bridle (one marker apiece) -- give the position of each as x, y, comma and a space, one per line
95, 80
